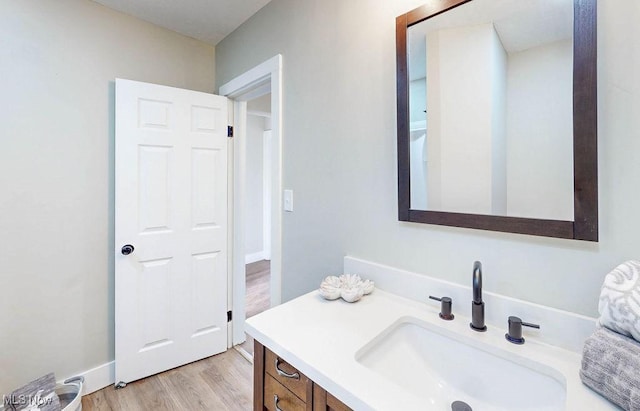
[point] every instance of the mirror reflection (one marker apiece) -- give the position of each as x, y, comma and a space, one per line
491, 110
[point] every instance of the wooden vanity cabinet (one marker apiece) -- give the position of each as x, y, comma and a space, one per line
322, 400
278, 386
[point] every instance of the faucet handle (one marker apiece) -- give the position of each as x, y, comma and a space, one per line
445, 307
515, 330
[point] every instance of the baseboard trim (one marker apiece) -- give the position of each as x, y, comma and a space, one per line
97, 378
254, 257
247, 356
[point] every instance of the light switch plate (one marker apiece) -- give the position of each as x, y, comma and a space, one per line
288, 200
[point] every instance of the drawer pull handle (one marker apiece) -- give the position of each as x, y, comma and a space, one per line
275, 402
281, 373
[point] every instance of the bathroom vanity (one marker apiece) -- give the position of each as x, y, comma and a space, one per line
388, 352
280, 386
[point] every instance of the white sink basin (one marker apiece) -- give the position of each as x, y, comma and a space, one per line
441, 367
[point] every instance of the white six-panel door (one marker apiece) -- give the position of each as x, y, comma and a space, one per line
171, 206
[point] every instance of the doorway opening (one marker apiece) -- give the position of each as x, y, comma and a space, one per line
250, 91
257, 209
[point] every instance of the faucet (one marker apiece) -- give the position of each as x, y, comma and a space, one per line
477, 305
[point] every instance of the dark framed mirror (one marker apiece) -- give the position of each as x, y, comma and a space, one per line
497, 116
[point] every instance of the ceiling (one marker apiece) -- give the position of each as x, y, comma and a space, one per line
206, 20
520, 25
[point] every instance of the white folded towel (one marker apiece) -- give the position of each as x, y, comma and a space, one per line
619, 305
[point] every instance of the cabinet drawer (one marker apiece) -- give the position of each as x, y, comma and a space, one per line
286, 375
286, 400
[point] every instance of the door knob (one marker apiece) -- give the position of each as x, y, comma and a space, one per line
127, 249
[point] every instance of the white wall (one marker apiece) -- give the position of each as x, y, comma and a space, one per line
418, 169
466, 93
417, 150
498, 125
254, 226
417, 101
436, 149
540, 132
58, 61
261, 104
340, 156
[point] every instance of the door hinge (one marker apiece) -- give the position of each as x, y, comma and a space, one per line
229, 316
229, 131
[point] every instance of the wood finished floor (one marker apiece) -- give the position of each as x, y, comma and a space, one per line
221, 382
258, 296
258, 277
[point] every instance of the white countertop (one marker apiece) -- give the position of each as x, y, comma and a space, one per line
320, 338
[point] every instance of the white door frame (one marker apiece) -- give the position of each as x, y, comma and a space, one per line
266, 193
260, 80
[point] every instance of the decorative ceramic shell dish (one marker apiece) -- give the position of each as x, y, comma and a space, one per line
330, 288
348, 286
